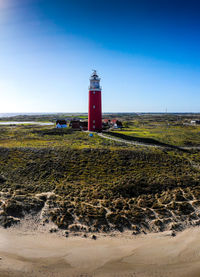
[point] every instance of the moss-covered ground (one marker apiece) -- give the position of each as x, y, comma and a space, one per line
100, 183
48, 136
173, 133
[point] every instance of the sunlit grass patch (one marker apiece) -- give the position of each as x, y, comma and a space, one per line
183, 135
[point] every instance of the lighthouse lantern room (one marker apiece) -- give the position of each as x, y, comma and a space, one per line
94, 111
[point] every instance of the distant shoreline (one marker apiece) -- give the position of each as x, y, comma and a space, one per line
104, 113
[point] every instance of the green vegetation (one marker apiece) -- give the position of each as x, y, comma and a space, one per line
87, 183
102, 184
49, 136
128, 173
173, 132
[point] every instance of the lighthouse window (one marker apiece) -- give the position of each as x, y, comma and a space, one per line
93, 121
93, 106
93, 126
93, 92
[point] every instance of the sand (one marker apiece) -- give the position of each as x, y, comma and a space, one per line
36, 254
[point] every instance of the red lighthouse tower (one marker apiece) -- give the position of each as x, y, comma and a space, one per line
94, 111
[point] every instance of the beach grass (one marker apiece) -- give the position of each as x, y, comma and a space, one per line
164, 132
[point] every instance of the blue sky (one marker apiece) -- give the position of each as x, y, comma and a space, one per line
146, 52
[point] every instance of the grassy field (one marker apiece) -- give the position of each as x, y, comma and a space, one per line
104, 184
49, 136
88, 181
170, 133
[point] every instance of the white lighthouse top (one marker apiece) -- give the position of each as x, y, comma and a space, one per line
94, 81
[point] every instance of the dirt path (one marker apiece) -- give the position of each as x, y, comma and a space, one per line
128, 142
136, 143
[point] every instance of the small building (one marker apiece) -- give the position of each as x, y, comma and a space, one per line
116, 123
195, 122
113, 123
61, 123
106, 121
75, 124
79, 124
83, 125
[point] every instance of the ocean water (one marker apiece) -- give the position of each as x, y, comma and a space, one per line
15, 114
25, 122
6, 115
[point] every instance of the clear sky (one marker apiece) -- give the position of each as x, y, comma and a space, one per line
147, 53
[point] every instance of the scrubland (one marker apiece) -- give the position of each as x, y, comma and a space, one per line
91, 184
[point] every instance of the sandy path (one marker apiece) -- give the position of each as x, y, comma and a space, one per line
127, 141
136, 143
28, 254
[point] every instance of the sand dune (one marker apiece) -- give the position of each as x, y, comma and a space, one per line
31, 254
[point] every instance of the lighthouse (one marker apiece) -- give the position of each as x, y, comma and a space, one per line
94, 110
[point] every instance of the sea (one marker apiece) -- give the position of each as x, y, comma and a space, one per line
16, 114
7, 115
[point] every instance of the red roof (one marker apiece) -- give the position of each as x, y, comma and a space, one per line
106, 120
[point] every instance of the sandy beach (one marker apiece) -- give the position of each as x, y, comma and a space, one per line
32, 254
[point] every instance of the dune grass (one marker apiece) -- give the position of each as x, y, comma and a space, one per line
88, 174
48, 136
177, 135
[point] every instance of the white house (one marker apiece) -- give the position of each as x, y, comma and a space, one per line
61, 123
